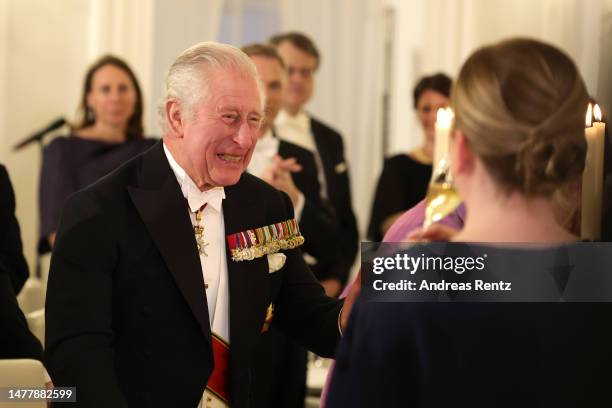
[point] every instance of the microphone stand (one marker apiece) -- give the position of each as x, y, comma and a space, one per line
38, 138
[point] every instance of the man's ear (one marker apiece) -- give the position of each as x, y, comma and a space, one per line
463, 159
174, 118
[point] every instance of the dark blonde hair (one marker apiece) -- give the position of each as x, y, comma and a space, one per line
134, 129
521, 104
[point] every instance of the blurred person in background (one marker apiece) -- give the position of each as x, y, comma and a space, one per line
279, 368
296, 125
405, 177
16, 340
108, 133
519, 108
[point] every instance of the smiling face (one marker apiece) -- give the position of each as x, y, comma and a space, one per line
112, 96
216, 146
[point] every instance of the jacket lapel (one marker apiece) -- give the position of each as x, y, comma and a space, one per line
326, 156
161, 205
248, 280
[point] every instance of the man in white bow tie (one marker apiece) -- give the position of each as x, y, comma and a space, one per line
160, 285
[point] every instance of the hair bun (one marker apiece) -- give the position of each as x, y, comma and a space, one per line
548, 160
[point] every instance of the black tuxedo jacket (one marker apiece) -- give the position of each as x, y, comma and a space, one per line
342, 253
11, 249
318, 223
126, 313
16, 340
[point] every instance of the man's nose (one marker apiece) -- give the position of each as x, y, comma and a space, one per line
244, 137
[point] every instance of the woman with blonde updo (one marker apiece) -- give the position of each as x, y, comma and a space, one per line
519, 139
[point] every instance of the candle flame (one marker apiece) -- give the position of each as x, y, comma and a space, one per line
597, 113
589, 116
444, 117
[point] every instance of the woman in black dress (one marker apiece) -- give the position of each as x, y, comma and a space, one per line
109, 133
405, 177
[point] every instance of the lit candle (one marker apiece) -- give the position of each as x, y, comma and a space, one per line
444, 121
592, 180
597, 123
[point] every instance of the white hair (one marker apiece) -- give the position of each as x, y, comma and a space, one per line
188, 78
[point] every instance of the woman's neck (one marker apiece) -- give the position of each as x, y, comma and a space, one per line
428, 148
495, 217
106, 133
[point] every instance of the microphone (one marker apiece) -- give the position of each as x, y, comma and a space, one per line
56, 124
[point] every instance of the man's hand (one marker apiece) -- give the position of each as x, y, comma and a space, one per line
350, 301
278, 174
332, 287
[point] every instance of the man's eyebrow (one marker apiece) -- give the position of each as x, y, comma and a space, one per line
227, 107
237, 109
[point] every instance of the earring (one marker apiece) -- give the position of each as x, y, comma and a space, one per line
89, 115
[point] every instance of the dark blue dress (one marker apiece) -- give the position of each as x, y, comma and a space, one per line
71, 164
475, 355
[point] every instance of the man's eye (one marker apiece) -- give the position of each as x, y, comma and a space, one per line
230, 117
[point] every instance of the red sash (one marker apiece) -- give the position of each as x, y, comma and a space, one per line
218, 383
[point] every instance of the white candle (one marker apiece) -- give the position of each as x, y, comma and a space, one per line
444, 120
592, 180
598, 124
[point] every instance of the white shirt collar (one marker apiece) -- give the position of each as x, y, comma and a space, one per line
300, 121
196, 198
295, 129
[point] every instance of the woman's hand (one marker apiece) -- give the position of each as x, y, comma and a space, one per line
435, 232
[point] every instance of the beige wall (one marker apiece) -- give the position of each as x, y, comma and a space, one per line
444, 32
41, 63
45, 47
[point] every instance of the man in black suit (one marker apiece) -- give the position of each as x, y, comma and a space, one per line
289, 167
279, 364
165, 272
16, 340
297, 126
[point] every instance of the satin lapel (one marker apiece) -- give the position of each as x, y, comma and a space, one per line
248, 280
161, 206
326, 156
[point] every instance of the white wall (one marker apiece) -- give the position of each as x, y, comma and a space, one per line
40, 66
